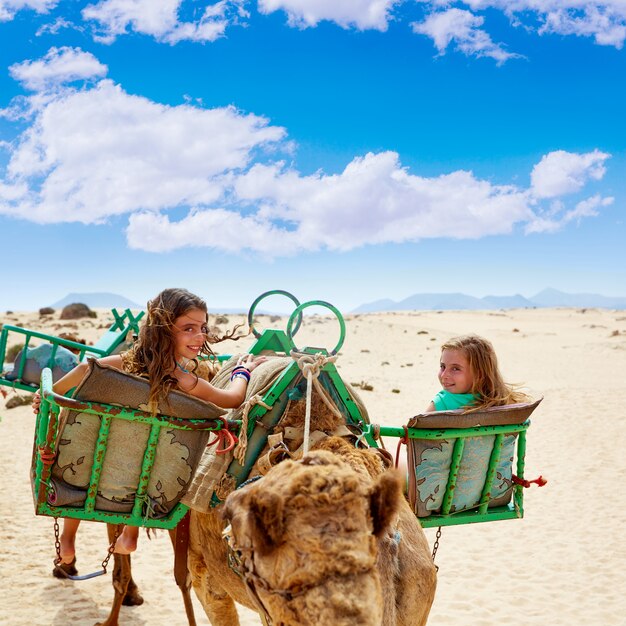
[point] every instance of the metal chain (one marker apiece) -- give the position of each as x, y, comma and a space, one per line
436, 546
111, 549
57, 541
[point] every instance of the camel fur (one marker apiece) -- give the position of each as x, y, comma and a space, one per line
332, 534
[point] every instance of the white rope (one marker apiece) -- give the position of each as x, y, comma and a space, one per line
240, 450
311, 365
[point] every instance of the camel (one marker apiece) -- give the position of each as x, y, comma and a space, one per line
327, 539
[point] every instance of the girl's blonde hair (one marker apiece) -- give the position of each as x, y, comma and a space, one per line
487, 385
152, 355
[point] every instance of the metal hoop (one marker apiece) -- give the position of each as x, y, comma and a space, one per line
298, 312
274, 292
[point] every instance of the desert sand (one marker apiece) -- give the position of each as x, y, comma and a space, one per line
563, 564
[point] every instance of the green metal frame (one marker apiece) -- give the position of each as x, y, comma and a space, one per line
482, 513
46, 434
267, 294
123, 323
296, 317
260, 423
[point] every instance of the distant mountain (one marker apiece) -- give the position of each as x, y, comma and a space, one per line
508, 302
377, 305
97, 301
462, 302
553, 297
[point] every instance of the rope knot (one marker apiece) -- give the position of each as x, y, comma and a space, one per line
311, 364
541, 481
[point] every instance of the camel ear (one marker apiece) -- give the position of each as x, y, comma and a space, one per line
385, 501
266, 517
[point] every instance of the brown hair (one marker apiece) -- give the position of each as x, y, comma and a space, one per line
153, 352
487, 385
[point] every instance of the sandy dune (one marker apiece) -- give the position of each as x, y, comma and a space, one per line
564, 563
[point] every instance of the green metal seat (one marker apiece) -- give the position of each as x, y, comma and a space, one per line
46, 440
115, 337
260, 422
455, 482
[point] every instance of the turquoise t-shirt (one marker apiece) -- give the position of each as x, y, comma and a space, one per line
446, 401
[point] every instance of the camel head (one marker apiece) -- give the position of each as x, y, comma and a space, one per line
306, 540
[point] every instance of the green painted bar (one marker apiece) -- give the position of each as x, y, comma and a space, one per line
518, 492
55, 348
491, 472
146, 469
67, 343
469, 517
41, 429
20, 371
450, 433
4, 333
346, 398
288, 377
455, 462
168, 522
98, 459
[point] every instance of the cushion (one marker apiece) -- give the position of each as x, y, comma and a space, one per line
493, 416
429, 460
177, 452
40, 357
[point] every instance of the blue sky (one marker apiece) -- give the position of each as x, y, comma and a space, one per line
346, 151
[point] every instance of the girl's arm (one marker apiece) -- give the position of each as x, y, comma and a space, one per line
229, 398
431, 408
73, 377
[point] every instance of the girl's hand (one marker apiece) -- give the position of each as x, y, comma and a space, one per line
250, 362
36, 402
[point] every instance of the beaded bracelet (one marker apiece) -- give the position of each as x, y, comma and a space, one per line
241, 371
240, 375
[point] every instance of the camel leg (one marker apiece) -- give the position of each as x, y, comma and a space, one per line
219, 607
209, 585
125, 589
180, 543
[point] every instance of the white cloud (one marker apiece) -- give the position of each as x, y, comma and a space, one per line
8, 8
375, 200
361, 14
604, 20
55, 27
219, 229
559, 173
91, 154
59, 66
554, 220
189, 176
462, 28
161, 19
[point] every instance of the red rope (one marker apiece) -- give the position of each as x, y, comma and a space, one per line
46, 455
225, 441
402, 440
541, 481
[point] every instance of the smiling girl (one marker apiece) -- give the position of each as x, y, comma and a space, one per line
166, 352
469, 375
